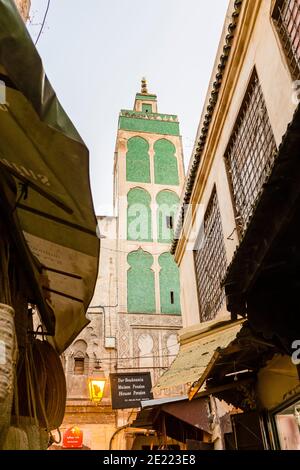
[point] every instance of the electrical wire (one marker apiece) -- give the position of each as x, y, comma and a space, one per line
142, 368
148, 357
43, 23
144, 356
139, 357
128, 252
120, 428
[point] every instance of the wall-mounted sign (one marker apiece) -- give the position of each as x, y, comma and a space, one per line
72, 438
128, 390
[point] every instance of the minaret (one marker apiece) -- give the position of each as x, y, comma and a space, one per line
148, 179
135, 313
144, 89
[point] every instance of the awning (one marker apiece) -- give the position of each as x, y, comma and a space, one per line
44, 158
194, 357
193, 414
232, 371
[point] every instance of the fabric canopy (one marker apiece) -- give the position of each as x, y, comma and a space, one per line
44, 155
194, 414
195, 356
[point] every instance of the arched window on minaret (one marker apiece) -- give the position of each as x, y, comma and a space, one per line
139, 224
165, 163
140, 283
169, 285
167, 207
137, 160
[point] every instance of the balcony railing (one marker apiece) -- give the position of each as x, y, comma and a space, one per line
250, 154
210, 262
287, 16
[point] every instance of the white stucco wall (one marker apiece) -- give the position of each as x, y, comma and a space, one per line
264, 52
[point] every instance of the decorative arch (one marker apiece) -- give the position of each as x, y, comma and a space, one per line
145, 345
167, 207
139, 223
137, 160
140, 283
79, 347
79, 357
169, 285
172, 347
165, 163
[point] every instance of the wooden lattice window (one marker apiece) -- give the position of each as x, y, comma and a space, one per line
210, 261
287, 17
250, 153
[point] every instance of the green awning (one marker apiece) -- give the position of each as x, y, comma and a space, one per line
42, 151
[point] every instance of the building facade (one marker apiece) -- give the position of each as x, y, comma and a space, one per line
23, 7
135, 313
261, 88
234, 248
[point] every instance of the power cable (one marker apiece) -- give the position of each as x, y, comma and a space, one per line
138, 357
128, 252
43, 23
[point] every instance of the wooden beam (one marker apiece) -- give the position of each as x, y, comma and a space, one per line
198, 384
221, 388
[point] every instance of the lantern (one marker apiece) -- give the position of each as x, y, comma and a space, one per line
96, 388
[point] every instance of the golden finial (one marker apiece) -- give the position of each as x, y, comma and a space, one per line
144, 88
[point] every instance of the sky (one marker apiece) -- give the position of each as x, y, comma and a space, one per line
96, 52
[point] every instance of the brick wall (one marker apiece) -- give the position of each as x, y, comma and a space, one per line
89, 414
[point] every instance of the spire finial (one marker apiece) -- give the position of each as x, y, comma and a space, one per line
144, 88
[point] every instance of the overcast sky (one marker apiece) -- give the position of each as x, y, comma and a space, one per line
95, 53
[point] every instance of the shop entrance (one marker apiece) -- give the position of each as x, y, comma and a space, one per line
287, 423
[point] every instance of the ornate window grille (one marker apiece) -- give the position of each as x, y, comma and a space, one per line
210, 261
250, 154
287, 17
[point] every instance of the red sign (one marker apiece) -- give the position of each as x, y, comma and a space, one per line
72, 438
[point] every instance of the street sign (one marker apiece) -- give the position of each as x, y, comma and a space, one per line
72, 438
128, 390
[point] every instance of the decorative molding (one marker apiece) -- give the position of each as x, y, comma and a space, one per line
148, 116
